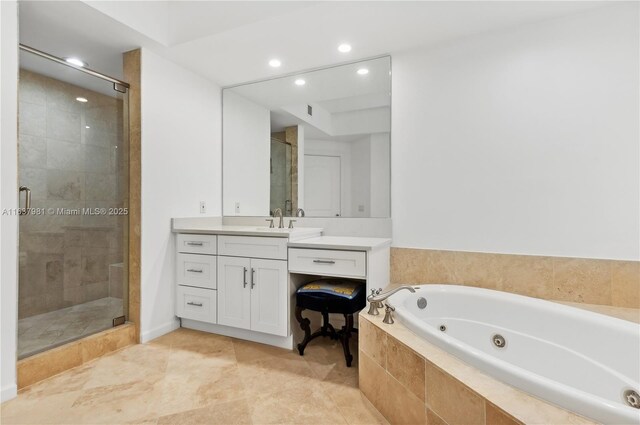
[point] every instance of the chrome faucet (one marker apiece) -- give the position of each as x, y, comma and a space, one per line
278, 213
376, 298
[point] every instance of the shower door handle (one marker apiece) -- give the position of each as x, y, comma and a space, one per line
27, 204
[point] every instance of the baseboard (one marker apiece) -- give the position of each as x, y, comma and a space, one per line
8, 392
277, 341
159, 331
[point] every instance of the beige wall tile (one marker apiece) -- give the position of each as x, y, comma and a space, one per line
372, 379
98, 345
451, 400
527, 275
496, 416
479, 269
373, 341
41, 366
408, 265
625, 284
582, 280
433, 419
441, 267
403, 407
406, 366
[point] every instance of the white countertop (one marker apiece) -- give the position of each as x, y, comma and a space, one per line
346, 243
220, 229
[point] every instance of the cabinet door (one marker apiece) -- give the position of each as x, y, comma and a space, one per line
234, 292
269, 297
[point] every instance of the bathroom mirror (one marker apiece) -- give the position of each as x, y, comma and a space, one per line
317, 142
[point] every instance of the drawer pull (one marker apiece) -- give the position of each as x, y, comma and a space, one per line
253, 277
194, 304
194, 243
194, 270
244, 284
324, 261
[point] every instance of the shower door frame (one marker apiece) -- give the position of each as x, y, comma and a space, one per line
57, 359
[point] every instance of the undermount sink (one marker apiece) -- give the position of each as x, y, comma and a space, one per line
276, 229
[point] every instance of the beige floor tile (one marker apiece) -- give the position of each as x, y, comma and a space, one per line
229, 413
302, 405
194, 377
247, 352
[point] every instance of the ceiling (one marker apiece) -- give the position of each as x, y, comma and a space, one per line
230, 42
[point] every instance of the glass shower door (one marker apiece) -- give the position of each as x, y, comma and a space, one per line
73, 159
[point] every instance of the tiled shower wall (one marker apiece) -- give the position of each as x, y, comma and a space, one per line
581, 280
71, 156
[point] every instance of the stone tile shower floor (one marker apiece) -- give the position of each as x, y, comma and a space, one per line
48, 330
190, 377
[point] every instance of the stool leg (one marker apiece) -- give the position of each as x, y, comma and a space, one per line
325, 323
304, 325
348, 318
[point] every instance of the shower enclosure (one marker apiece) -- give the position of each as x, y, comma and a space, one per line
281, 176
74, 177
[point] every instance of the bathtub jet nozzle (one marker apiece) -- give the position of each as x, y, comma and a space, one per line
632, 398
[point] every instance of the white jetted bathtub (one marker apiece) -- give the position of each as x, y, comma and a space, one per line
585, 362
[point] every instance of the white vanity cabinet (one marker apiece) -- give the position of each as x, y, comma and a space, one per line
196, 277
252, 294
253, 290
234, 280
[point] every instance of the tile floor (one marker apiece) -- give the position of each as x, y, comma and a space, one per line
48, 330
190, 377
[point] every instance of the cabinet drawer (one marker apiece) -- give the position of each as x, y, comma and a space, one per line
254, 247
328, 262
196, 304
196, 270
196, 244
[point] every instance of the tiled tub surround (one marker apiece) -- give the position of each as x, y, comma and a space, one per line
577, 280
411, 381
71, 156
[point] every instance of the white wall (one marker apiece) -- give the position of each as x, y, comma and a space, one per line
247, 149
522, 141
380, 175
181, 151
9, 198
360, 177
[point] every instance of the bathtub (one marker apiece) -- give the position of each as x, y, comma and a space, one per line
581, 361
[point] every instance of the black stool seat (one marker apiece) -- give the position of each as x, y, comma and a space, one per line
340, 296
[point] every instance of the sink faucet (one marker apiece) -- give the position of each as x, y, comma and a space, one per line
376, 298
278, 213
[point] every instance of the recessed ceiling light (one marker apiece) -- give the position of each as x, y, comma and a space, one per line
76, 62
86, 126
275, 63
363, 71
300, 82
344, 48
82, 99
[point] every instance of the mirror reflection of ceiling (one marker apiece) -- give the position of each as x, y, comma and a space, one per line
231, 42
334, 94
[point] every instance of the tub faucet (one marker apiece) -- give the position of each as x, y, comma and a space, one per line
377, 297
278, 213
374, 305
388, 314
